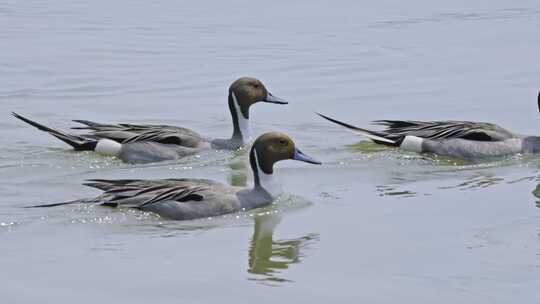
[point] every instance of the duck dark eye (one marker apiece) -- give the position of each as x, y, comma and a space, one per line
283, 142
256, 86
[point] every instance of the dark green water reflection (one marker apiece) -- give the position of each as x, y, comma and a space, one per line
269, 258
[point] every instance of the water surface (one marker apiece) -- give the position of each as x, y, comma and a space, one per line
370, 225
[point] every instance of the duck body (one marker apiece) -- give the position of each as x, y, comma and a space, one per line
145, 143
134, 143
177, 199
456, 139
465, 148
190, 198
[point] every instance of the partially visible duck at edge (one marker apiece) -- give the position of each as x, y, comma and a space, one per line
458, 139
186, 198
134, 143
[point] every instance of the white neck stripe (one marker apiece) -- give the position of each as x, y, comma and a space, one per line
243, 123
267, 181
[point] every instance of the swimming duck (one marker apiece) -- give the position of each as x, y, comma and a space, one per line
150, 143
187, 198
458, 139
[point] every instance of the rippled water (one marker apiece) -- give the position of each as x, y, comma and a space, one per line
371, 225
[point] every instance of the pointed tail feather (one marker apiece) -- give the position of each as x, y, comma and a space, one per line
77, 142
78, 201
375, 136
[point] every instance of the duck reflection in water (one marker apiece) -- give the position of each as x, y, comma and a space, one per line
536, 193
269, 257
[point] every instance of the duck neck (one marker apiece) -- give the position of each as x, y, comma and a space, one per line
531, 144
242, 131
263, 181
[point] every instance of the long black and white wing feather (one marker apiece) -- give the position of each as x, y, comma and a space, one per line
140, 193
136, 193
396, 130
130, 133
121, 133
479, 131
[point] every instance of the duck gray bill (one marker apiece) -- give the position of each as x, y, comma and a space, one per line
270, 98
301, 156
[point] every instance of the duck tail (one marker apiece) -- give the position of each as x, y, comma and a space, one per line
77, 201
377, 137
78, 143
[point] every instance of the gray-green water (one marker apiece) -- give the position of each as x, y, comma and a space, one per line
371, 225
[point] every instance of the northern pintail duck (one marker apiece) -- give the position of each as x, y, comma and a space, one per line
186, 198
149, 143
458, 139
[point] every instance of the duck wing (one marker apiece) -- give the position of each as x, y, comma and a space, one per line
137, 193
397, 130
478, 131
121, 133
130, 133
